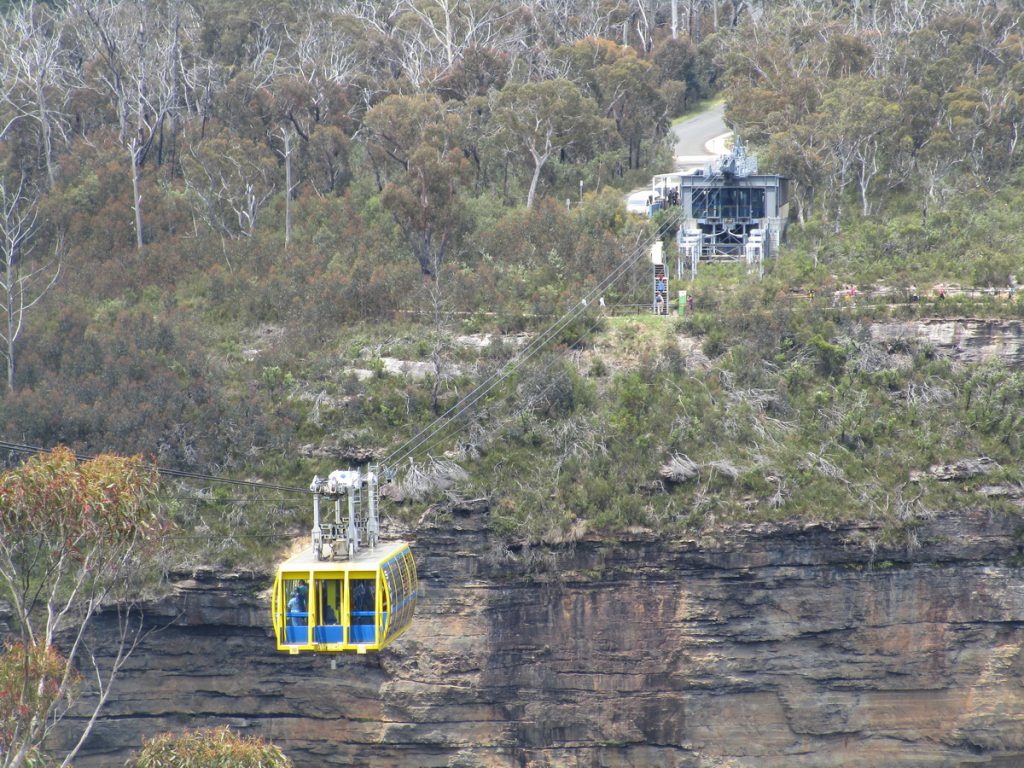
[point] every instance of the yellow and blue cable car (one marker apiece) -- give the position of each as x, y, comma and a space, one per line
359, 604
347, 592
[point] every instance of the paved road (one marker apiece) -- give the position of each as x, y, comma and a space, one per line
694, 133
695, 147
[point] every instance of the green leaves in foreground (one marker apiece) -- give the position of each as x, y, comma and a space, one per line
209, 748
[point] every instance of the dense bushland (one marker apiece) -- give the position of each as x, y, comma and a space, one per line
225, 229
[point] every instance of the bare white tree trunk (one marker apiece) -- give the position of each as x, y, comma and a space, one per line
136, 144
45, 132
11, 335
442, 341
21, 287
139, 48
133, 154
38, 72
129, 637
867, 157
286, 137
539, 158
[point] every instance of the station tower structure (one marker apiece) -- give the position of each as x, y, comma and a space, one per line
728, 211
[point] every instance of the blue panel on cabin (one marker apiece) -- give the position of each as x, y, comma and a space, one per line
296, 634
363, 633
329, 634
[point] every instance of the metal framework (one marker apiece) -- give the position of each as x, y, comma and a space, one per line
753, 250
659, 303
362, 528
691, 245
728, 210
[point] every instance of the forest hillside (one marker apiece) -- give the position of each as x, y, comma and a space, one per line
266, 241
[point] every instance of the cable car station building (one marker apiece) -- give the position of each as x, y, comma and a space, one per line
729, 211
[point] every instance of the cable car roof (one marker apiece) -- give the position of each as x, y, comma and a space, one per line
365, 559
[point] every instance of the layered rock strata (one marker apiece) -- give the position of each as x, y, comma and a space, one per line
966, 340
767, 647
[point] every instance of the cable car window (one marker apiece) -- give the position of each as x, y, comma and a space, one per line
403, 566
393, 591
729, 203
328, 601
407, 575
363, 611
363, 601
295, 596
327, 610
411, 565
298, 601
389, 578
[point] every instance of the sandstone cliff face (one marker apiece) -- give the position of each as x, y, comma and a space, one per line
768, 647
967, 340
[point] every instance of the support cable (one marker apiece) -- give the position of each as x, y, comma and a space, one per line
442, 422
411, 446
442, 436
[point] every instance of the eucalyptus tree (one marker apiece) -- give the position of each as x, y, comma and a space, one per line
209, 747
230, 179
138, 51
420, 172
23, 281
566, 21
74, 538
39, 76
314, 102
863, 131
624, 86
435, 34
543, 119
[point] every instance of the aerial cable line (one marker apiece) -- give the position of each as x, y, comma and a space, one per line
477, 393
441, 423
550, 364
480, 391
441, 436
179, 473
410, 446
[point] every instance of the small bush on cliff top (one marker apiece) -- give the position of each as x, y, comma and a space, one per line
208, 748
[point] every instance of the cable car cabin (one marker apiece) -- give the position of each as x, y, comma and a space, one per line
360, 604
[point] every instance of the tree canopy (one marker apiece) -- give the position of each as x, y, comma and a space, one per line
258, 215
74, 537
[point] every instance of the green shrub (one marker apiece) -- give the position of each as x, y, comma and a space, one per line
715, 343
208, 748
831, 357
